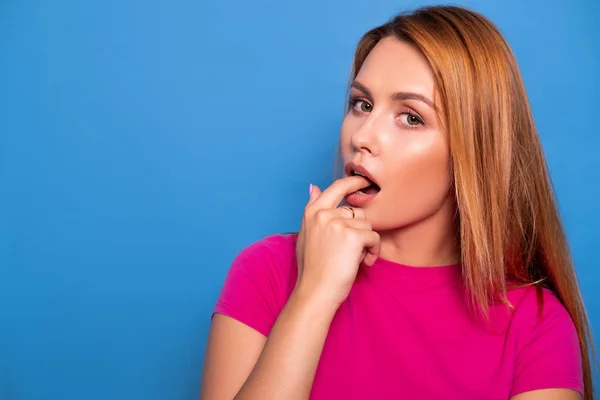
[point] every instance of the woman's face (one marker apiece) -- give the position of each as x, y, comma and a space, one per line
392, 135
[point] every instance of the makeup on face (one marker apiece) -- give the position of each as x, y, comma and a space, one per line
361, 197
392, 137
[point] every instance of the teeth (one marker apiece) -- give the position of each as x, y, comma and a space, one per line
358, 173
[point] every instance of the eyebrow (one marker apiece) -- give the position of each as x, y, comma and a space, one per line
397, 95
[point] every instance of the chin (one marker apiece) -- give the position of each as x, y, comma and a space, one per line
379, 222
381, 227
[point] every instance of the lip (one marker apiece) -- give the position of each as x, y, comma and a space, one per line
359, 200
359, 168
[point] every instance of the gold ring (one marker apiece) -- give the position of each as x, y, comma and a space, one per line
351, 210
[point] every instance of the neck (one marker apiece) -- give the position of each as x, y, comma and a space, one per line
432, 241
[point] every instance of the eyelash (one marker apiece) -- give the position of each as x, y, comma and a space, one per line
353, 101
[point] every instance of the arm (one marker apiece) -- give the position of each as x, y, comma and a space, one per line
232, 351
549, 394
282, 366
331, 245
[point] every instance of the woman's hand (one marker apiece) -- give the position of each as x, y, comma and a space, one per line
332, 243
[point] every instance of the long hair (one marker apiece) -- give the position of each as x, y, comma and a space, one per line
507, 218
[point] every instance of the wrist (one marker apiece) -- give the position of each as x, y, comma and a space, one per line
318, 301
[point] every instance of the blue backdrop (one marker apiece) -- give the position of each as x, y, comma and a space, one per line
144, 143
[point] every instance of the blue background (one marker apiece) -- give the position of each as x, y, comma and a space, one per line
144, 143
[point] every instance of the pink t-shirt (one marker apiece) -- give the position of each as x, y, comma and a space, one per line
405, 332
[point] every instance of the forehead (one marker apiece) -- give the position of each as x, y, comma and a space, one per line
394, 66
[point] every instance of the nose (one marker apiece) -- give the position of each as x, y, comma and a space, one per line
366, 137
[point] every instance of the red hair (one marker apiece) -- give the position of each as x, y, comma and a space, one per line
509, 225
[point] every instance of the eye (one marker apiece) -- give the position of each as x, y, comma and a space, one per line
360, 106
411, 119
364, 106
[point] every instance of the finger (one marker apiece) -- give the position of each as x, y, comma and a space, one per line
370, 259
334, 194
314, 193
361, 224
373, 247
345, 211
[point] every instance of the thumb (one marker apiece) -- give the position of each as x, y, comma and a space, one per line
314, 193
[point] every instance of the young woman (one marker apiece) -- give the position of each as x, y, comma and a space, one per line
445, 273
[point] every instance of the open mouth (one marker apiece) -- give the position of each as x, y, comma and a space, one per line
371, 189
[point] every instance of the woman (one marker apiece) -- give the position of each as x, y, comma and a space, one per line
446, 273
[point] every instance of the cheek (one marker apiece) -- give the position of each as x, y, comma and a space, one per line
345, 138
423, 168
419, 181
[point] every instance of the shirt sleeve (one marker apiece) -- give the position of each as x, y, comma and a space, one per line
548, 352
257, 285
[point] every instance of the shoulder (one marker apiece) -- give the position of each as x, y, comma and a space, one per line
531, 297
277, 244
275, 254
534, 305
546, 344
538, 314
259, 281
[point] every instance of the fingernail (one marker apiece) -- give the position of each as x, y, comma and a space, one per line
310, 188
